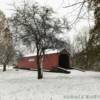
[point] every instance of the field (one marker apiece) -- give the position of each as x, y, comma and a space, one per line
24, 85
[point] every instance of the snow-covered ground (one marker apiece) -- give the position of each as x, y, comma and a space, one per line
24, 85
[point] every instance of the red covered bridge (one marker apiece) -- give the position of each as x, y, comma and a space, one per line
51, 61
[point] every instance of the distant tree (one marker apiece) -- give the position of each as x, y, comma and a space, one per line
6, 48
81, 55
94, 39
6, 55
2, 25
83, 11
36, 25
19, 55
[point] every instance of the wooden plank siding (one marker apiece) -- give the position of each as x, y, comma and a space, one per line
50, 61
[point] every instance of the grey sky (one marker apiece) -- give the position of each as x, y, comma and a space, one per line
57, 5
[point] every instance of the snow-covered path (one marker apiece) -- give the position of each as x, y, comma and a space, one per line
23, 85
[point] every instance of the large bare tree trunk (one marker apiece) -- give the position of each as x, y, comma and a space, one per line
4, 67
41, 64
40, 74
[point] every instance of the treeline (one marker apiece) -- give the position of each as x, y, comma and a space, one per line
89, 56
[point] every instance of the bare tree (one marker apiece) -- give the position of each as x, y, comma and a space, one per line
36, 25
6, 48
6, 55
94, 39
82, 49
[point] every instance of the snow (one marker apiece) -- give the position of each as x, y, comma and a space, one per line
24, 85
48, 51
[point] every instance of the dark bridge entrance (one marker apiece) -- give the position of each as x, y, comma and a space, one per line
64, 61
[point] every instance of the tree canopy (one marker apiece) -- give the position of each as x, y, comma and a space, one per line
37, 26
6, 46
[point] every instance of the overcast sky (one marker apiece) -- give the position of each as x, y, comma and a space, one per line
57, 5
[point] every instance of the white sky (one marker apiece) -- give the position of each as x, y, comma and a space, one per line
57, 5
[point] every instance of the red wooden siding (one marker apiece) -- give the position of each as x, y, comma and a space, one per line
50, 62
26, 63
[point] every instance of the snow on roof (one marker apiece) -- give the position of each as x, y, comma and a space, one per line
49, 51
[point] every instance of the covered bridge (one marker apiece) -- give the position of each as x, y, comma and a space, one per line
51, 61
